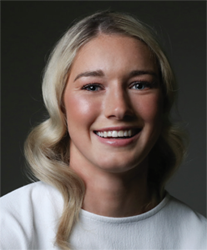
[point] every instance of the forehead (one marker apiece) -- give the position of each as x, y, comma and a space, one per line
113, 53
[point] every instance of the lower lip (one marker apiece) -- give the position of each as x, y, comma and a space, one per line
118, 142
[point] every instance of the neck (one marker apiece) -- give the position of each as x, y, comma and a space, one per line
116, 198
116, 194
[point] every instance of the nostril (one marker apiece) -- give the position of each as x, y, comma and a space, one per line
119, 111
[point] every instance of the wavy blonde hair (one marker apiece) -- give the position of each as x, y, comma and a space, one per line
47, 146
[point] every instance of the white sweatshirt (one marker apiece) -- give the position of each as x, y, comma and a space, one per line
29, 218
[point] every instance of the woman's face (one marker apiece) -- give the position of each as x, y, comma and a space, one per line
113, 104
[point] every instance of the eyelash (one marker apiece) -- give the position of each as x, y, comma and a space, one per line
144, 84
86, 87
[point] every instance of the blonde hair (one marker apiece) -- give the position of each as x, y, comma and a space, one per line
47, 146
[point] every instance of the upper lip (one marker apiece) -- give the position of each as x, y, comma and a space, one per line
118, 128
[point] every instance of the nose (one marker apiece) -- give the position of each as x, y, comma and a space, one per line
117, 104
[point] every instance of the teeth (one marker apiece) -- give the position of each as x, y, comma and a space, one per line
114, 134
121, 133
109, 134
125, 133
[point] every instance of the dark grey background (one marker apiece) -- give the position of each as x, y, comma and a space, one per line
29, 31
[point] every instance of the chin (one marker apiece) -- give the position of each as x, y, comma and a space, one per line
120, 165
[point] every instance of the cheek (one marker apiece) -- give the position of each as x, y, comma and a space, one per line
80, 110
150, 108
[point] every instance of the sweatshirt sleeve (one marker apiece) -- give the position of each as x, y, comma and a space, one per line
29, 217
16, 221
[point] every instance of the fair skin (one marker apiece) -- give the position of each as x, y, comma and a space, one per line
114, 86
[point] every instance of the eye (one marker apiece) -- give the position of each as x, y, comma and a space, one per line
141, 85
92, 87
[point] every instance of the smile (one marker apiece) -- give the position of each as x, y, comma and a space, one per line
118, 133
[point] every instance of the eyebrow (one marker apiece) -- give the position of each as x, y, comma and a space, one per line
100, 73
90, 73
142, 72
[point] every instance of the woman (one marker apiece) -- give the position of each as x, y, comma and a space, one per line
107, 150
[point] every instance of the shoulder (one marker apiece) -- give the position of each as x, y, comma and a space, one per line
187, 224
184, 212
25, 210
30, 192
30, 197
